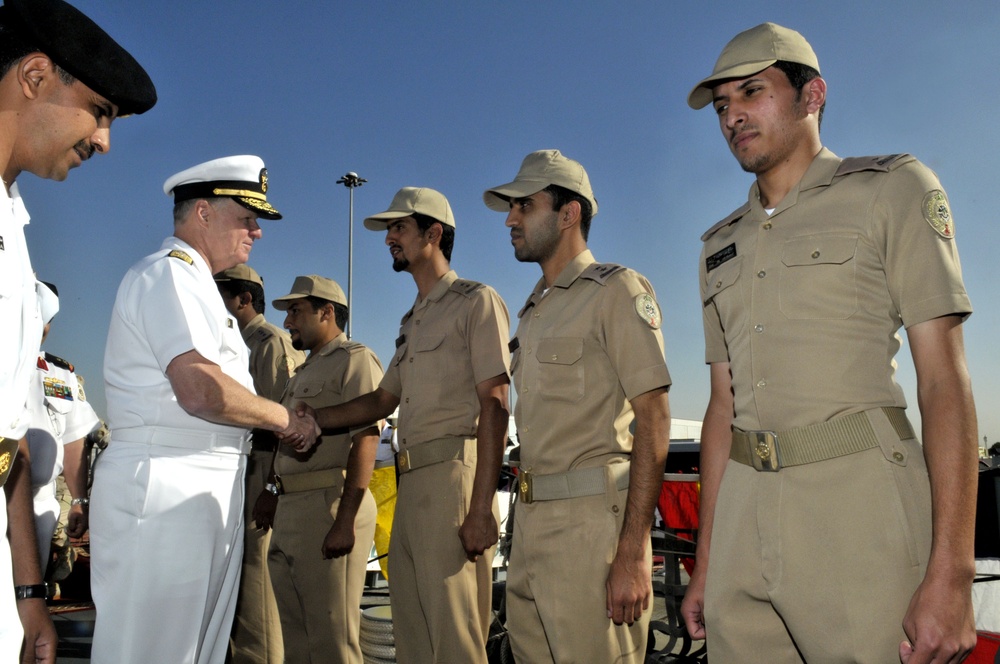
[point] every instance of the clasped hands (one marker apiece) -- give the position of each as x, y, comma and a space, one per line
302, 431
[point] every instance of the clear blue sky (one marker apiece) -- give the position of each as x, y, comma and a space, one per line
452, 95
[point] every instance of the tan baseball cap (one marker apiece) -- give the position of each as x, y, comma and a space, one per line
413, 200
538, 171
241, 272
314, 285
752, 51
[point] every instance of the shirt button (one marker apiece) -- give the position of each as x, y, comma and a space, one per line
411, 360
758, 328
416, 322
815, 254
407, 399
536, 314
718, 284
761, 383
767, 226
761, 274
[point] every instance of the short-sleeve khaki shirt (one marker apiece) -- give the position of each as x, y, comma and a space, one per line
334, 374
448, 343
582, 350
272, 358
805, 304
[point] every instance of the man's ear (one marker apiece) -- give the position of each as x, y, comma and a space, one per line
245, 299
816, 91
33, 71
569, 214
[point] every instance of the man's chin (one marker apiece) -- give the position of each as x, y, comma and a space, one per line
400, 264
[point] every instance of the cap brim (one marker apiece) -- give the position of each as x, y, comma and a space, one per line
498, 198
380, 221
701, 96
262, 208
282, 303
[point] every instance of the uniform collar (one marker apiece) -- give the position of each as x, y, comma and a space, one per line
819, 174
328, 347
440, 288
569, 274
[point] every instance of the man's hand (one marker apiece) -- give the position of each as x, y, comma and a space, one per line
693, 606
340, 540
39, 633
939, 624
302, 432
77, 521
264, 509
629, 586
479, 532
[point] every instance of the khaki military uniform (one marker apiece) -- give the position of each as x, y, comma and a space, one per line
805, 306
583, 349
257, 628
449, 342
319, 600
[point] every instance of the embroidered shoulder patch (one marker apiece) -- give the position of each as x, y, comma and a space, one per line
938, 214
648, 310
177, 253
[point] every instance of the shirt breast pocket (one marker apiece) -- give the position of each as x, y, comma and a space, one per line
310, 390
818, 277
561, 370
723, 291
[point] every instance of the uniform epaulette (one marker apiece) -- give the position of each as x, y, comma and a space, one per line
884, 163
177, 253
601, 272
352, 346
263, 334
737, 214
59, 362
466, 287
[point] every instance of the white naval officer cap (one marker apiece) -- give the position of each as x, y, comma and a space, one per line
242, 178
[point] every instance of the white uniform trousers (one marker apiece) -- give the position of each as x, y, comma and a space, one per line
166, 533
46, 507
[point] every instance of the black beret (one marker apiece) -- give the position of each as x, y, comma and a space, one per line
83, 49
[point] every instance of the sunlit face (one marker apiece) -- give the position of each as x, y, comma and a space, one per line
534, 227
405, 242
761, 117
232, 230
303, 323
68, 124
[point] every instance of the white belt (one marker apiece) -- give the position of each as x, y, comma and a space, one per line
202, 441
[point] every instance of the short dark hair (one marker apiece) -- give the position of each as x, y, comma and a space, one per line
447, 232
234, 287
798, 75
339, 310
561, 196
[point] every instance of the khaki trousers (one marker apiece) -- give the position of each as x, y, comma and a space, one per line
441, 602
256, 629
818, 562
556, 595
319, 600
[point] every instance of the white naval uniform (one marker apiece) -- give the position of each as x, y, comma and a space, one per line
60, 415
166, 511
20, 337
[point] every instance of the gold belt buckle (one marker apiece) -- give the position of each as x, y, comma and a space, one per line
764, 451
524, 486
403, 458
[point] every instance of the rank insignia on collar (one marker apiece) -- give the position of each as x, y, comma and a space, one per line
938, 214
648, 310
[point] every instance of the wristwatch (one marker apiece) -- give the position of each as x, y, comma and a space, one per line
30, 592
80, 501
272, 489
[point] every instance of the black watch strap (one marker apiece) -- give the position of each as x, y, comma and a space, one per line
30, 592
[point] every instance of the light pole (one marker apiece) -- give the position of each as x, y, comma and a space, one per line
351, 181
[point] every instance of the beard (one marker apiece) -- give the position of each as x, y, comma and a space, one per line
542, 244
400, 264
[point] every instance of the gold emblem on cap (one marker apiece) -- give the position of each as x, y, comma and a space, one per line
648, 310
938, 214
263, 180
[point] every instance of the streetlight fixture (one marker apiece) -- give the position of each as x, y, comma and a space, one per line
351, 181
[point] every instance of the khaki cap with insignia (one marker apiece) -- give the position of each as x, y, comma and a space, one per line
242, 178
538, 171
753, 51
311, 285
241, 272
82, 48
413, 200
